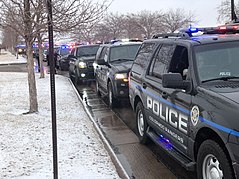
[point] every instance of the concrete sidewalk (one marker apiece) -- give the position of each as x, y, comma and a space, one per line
78, 115
7, 58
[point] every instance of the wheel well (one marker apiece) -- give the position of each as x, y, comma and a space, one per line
205, 134
136, 100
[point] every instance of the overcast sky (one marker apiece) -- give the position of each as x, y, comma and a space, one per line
205, 10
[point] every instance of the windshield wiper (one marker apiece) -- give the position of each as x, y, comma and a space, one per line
224, 78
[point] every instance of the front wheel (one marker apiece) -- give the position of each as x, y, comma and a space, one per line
212, 162
141, 123
97, 88
112, 100
77, 79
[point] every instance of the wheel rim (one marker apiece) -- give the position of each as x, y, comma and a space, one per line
211, 168
140, 122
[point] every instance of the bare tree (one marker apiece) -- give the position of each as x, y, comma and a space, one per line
149, 23
224, 11
176, 19
28, 19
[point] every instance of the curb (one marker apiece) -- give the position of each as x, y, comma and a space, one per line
17, 63
119, 168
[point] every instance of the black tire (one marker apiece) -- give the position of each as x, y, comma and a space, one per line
77, 80
97, 88
112, 100
212, 161
141, 124
71, 77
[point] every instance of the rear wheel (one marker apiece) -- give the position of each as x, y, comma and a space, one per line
112, 100
212, 162
141, 123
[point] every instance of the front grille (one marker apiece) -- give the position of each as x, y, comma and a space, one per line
90, 64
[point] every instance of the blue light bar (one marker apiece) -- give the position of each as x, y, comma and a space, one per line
192, 30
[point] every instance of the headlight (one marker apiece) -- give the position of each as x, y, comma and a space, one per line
121, 76
82, 65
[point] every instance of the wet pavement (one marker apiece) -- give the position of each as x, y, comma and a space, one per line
118, 126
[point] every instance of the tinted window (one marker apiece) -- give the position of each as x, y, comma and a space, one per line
87, 51
123, 52
179, 62
143, 57
161, 61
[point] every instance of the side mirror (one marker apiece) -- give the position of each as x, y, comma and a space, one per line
174, 80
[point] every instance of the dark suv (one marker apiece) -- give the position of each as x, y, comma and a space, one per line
185, 92
113, 62
81, 63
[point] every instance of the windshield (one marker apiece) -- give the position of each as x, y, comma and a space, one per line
123, 52
65, 51
217, 60
87, 51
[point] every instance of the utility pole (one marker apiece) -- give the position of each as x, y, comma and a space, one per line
233, 15
53, 91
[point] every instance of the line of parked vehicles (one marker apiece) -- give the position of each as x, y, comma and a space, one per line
183, 88
107, 64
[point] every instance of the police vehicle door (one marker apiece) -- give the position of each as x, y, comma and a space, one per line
167, 109
103, 69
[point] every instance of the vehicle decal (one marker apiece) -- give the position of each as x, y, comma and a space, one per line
194, 115
210, 123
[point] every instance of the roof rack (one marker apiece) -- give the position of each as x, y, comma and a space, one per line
172, 35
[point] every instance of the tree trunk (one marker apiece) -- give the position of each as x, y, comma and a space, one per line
31, 79
42, 74
30, 63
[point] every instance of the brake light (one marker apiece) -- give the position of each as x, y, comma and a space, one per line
223, 28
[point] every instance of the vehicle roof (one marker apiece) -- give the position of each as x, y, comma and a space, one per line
201, 39
90, 45
121, 44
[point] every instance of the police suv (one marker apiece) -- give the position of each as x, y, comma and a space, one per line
185, 92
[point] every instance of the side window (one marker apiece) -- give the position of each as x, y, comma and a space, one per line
161, 60
100, 53
97, 57
179, 62
143, 57
105, 54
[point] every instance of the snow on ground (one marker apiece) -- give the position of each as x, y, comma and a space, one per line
4, 58
26, 140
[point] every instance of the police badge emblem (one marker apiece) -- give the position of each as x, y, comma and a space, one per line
194, 115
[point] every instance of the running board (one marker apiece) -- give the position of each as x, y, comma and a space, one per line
185, 162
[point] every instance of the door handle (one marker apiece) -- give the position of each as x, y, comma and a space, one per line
164, 95
144, 85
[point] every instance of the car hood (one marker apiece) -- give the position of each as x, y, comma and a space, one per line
234, 96
123, 66
229, 91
